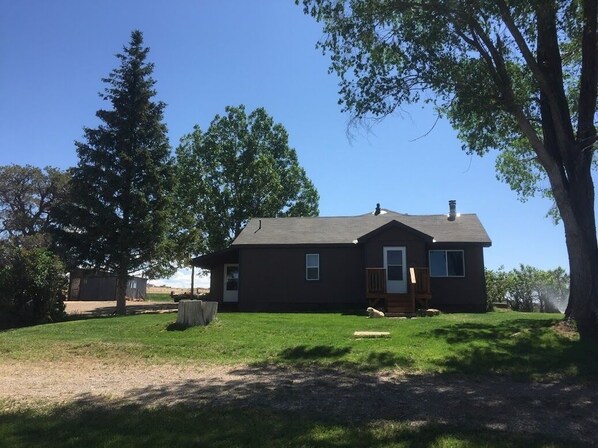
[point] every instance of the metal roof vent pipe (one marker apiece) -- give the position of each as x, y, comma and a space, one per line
452, 210
377, 211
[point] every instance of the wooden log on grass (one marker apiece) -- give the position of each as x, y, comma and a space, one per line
196, 312
371, 334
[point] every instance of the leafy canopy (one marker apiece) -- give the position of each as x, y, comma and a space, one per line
241, 167
472, 59
27, 196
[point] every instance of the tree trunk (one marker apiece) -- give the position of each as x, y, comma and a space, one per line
121, 291
575, 201
567, 159
583, 291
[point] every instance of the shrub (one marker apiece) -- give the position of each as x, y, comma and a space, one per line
32, 286
496, 287
529, 289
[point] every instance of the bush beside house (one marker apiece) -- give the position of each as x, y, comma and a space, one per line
32, 286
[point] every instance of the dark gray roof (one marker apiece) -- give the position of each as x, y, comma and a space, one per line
466, 228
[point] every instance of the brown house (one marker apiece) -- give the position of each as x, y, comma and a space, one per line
392, 261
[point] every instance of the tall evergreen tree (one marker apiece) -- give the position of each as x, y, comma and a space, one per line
117, 218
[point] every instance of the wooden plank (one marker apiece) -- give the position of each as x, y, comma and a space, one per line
371, 334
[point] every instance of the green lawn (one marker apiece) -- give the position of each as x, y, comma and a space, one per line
518, 344
522, 344
159, 297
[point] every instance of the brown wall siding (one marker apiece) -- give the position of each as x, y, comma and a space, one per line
274, 279
448, 294
415, 246
217, 282
461, 293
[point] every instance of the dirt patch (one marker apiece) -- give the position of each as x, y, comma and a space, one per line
564, 409
108, 307
566, 329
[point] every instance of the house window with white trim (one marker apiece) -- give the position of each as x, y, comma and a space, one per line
447, 263
312, 266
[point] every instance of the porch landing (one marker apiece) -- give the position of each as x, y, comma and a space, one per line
396, 304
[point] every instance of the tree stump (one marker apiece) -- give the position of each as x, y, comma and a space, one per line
196, 312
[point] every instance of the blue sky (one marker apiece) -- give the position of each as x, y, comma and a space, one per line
209, 54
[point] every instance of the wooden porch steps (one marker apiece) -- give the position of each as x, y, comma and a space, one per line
399, 303
417, 296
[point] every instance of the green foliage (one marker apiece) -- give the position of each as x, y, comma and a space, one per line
522, 288
496, 286
118, 215
460, 56
32, 286
241, 167
529, 289
27, 198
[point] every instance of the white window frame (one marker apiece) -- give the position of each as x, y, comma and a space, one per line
312, 266
447, 275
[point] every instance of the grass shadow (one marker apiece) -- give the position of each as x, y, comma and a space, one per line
522, 347
317, 352
330, 356
175, 326
100, 423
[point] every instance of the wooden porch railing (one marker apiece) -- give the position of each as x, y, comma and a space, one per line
420, 286
418, 291
375, 281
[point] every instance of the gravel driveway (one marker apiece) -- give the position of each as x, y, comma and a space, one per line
564, 409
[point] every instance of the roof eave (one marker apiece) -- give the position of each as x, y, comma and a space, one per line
398, 224
206, 261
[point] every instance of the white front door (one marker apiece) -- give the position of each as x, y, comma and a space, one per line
231, 283
395, 263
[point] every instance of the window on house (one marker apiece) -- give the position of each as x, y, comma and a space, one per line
447, 263
312, 266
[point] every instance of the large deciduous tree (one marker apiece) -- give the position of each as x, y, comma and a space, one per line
241, 167
27, 196
32, 277
519, 76
118, 215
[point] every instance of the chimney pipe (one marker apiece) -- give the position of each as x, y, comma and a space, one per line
377, 212
452, 210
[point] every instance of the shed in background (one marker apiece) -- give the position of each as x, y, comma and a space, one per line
101, 285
